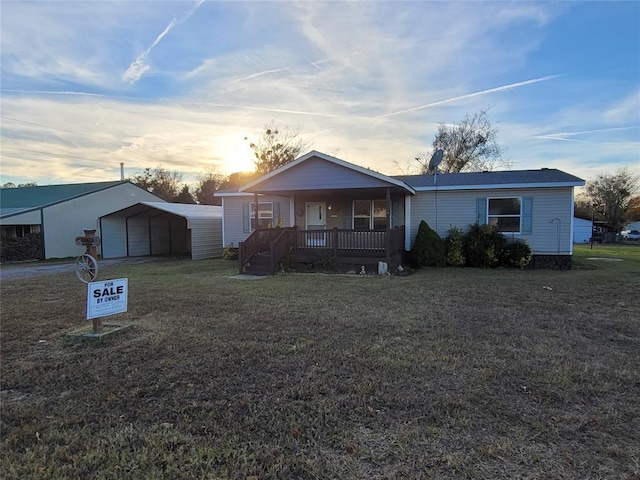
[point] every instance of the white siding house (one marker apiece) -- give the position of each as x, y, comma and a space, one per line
325, 193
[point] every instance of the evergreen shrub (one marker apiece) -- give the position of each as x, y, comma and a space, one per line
428, 249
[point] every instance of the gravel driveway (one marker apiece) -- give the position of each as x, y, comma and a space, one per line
16, 271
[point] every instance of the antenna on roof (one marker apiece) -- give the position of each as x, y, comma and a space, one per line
436, 158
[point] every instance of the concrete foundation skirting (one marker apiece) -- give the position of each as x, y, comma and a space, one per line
550, 262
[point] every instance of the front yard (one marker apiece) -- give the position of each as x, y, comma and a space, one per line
448, 373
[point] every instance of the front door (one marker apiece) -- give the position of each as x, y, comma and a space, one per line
316, 215
316, 219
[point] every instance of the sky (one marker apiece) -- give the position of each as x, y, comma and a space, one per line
187, 85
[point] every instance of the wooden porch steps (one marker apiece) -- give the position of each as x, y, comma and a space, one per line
260, 265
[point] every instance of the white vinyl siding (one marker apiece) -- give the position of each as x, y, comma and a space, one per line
445, 209
234, 209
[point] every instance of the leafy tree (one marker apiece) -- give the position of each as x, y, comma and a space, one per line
208, 184
184, 196
238, 179
469, 146
160, 181
276, 148
611, 193
632, 213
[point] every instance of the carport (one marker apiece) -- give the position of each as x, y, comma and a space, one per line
158, 228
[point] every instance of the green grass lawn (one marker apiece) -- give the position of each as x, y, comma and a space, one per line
447, 373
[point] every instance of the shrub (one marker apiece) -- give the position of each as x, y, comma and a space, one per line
454, 246
428, 249
483, 246
230, 252
516, 254
14, 249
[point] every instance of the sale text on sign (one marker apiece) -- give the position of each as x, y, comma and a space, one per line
106, 298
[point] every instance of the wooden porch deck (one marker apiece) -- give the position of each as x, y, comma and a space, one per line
264, 250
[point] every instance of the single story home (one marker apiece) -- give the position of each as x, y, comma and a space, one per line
157, 228
42, 222
332, 211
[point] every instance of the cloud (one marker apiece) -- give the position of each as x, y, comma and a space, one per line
140, 65
470, 95
626, 110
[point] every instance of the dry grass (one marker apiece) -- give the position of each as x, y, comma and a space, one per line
449, 373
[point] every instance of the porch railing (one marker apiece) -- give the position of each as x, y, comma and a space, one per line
338, 243
280, 247
259, 241
343, 242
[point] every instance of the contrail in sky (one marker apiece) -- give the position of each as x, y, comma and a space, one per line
140, 66
470, 95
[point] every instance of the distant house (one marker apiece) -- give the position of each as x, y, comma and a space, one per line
582, 230
43, 222
333, 211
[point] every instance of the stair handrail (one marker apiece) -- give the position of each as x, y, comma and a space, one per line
279, 247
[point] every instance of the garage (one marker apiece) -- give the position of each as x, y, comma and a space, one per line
158, 228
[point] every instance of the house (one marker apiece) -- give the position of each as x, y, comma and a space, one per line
334, 212
582, 230
43, 222
156, 228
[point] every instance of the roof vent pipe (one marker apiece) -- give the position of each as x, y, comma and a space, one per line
122, 171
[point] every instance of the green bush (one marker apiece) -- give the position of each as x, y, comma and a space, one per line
428, 249
516, 254
14, 249
230, 252
483, 246
454, 247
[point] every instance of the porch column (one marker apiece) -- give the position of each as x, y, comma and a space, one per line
388, 223
255, 209
292, 211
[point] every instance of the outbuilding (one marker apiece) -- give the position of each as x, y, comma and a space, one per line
157, 228
42, 222
582, 230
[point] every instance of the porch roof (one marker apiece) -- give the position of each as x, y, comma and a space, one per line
318, 171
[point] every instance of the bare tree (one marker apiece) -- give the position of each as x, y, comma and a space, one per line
611, 193
469, 146
277, 147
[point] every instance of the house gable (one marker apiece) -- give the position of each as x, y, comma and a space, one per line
316, 171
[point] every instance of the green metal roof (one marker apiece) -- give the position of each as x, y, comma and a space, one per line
26, 198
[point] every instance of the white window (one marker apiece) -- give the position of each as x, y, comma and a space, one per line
265, 215
369, 214
505, 214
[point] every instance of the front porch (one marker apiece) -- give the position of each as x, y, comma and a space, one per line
266, 250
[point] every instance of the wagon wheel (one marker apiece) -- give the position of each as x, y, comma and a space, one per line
86, 268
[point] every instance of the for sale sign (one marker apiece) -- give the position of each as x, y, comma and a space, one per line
106, 298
